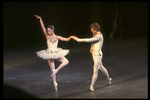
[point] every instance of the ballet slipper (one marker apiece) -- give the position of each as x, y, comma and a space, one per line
109, 81
55, 85
54, 72
91, 88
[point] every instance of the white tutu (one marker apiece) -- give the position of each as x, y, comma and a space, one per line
52, 54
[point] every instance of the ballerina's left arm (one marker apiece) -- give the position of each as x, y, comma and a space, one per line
64, 39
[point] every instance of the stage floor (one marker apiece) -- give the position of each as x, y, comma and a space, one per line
125, 60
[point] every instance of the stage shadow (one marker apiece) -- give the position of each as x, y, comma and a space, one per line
11, 92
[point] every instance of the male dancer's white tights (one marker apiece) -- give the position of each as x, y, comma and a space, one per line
98, 65
53, 71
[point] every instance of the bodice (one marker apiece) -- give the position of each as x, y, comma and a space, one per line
52, 43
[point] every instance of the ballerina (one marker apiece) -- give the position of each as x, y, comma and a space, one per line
53, 52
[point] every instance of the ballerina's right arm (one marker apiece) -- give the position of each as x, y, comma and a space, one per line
42, 24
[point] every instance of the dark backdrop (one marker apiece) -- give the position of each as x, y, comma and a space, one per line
22, 29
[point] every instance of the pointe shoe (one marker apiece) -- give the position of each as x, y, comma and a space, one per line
109, 81
55, 85
91, 88
54, 72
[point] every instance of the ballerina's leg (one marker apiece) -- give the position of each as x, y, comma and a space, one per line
52, 66
63, 64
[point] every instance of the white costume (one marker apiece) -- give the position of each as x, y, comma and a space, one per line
52, 52
96, 46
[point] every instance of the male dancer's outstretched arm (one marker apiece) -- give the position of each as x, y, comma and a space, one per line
93, 39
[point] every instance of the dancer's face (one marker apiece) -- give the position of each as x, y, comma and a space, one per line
93, 31
50, 31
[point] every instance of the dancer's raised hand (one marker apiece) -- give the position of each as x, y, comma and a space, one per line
38, 17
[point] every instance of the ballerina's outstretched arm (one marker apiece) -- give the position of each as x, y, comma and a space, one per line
64, 39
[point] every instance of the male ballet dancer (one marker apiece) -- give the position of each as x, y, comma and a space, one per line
97, 42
